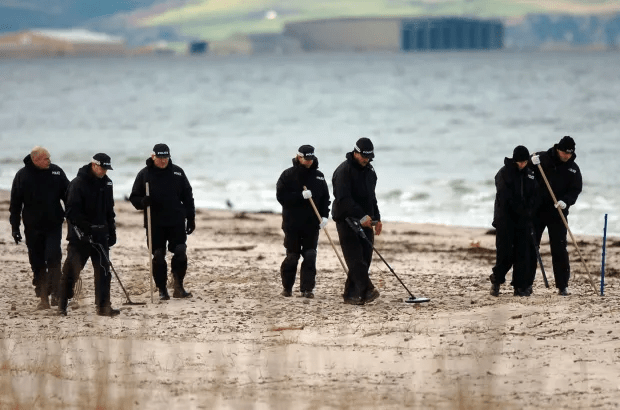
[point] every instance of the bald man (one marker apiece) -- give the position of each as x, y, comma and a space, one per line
36, 193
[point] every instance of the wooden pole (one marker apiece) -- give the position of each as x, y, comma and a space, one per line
318, 215
148, 225
567, 228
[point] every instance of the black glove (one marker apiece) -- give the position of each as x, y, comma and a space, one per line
191, 226
146, 202
17, 236
112, 239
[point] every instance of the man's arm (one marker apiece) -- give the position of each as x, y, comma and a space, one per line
287, 195
17, 202
138, 192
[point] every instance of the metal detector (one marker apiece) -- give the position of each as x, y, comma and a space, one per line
357, 228
101, 250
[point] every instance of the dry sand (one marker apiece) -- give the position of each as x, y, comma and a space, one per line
238, 344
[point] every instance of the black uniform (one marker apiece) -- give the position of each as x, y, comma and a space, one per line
354, 196
300, 223
35, 198
516, 202
566, 183
90, 209
172, 203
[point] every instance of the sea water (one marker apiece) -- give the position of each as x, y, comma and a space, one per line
441, 123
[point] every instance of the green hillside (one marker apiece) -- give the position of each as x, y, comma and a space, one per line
219, 19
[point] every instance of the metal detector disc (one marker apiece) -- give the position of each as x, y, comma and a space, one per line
417, 300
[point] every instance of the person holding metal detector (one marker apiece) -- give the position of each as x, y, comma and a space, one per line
171, 201
91, 232
36, 193
298, 190
516, 203
354, 183
559, 178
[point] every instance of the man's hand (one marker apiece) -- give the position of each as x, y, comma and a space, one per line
146, 202
535, 159
323, 223
561, 205
112, 239
306, 194
378, 228
191, 226
17, 236
366, 221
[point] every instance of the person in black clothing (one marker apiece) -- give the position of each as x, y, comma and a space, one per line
36, 193
564, 176
354, 183
172, 203
91, 232
299, 221
516, 202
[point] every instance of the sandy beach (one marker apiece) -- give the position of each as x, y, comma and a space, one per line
238, 344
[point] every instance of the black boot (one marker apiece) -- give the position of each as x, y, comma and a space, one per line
178, 291
163, 294
62, 307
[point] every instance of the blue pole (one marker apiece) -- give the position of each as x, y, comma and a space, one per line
603, 262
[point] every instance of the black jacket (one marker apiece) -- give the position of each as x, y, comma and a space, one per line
170, 192
354, 191
36, 195
564, 178
517, 196
90, 201
296, 211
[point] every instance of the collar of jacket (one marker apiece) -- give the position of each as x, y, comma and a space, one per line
151, 164
315, 164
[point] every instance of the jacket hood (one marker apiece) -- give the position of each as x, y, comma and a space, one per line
354, 162
315, 163
30, 165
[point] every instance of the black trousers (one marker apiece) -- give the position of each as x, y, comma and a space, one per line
550, 218
45, 256
300, 242
77, 255
514, 248
357, 254
173, 238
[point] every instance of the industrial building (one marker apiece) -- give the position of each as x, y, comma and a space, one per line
397, 34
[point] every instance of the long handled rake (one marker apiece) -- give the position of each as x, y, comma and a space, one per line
318, 215
555, 201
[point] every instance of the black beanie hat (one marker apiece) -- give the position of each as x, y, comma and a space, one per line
566, 144
520, 153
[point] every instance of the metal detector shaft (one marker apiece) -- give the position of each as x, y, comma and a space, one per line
555, 201
129, 302
542, 268
318, 215
357, 227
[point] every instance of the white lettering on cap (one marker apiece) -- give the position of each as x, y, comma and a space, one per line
363, 152
308, 154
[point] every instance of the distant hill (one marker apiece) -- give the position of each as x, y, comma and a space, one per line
144, 21
213, 20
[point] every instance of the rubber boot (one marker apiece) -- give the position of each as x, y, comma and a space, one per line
179, 292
